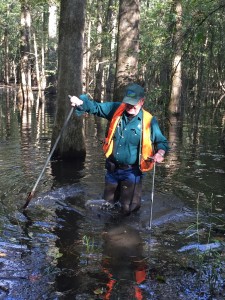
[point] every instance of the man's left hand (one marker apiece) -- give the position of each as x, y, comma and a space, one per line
159, 156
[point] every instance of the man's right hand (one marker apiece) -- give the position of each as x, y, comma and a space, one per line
75, 101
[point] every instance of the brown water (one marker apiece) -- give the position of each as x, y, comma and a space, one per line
61, 250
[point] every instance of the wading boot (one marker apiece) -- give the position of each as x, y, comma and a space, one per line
130, 196
136, 202
111, 196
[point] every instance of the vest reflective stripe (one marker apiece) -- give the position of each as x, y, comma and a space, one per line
146, 149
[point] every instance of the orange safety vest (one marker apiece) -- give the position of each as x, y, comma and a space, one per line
146, 149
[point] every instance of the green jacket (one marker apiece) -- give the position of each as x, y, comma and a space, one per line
128, 133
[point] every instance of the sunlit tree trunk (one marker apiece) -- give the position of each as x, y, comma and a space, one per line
44, 47
14, 73
127, 45
37, 67
99, 64
71, 29
175, 99
6, 46
25, 93
113, 29
6, 77
52, 48
40, 118
223, 132
86, 57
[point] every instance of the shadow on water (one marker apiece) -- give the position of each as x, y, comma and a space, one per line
60, 249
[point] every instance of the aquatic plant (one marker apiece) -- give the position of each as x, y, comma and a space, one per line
89, 243
208, 260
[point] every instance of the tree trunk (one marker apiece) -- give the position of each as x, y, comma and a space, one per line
111, 17
99, 54
25, 94
86, 57
37, 67
223, 133
52, 49
44, 47
175, 99
71, 28
127, 46
6, 46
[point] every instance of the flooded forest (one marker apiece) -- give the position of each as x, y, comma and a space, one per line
61, 248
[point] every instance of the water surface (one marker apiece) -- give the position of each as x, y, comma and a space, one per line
61, 250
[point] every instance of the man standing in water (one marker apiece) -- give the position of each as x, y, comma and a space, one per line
133, 144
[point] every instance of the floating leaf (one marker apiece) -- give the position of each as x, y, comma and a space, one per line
218, 209
98, 291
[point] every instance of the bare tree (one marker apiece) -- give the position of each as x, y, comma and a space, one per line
175, 99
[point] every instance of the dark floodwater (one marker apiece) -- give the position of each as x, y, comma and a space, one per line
60, 250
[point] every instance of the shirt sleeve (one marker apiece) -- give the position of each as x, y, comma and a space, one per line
103, 110
158, 139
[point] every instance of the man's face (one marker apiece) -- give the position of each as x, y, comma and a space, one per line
133, 110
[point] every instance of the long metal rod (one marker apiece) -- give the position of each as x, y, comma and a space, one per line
152, 196
31, 194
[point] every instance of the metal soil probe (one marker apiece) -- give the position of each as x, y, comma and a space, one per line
31, 194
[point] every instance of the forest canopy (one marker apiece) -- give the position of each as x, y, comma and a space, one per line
191, 36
